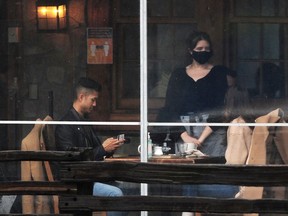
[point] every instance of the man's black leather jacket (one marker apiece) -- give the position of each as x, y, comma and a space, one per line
73, 137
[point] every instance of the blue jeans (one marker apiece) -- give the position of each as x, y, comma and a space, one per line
207, 190
100, 189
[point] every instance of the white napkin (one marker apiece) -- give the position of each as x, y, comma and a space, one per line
194, 152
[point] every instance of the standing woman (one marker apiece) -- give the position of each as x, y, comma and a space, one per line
198, 90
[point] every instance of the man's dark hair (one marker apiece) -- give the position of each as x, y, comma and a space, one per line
86, 84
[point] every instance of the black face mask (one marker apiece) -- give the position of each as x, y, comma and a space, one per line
201, 57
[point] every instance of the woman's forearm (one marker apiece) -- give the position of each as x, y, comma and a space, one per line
206, 132
189, 139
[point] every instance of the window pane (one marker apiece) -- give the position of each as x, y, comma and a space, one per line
247, 7
160, 41
248, 41
268, 8
131, 77
184, 8
131, 37
129, 8
159, 8
282, 8
131, 69
181, 49
273, 80
247, 76
167, 49
260, 43
168, 8
158, 77
271, 36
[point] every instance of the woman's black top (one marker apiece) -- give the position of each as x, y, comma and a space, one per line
185, 95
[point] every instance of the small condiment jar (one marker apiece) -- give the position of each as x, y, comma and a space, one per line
158, 150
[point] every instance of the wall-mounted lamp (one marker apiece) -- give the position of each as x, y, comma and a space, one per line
51, 15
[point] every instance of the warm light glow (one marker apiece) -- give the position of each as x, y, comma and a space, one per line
51, 11
43, 11
51, 17
62, 10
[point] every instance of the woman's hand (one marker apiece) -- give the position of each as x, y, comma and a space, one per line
189, 139
111, 144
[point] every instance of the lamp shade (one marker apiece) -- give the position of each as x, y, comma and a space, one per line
51, 15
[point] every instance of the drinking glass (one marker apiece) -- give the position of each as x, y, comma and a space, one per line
182, 148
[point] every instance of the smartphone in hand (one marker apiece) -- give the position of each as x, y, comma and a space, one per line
121, 137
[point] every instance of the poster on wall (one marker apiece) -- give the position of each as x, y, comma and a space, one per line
99, 45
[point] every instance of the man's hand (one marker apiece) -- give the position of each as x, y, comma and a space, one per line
111, 144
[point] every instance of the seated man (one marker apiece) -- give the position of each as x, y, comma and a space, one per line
70, 137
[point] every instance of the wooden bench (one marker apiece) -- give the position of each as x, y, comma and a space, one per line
77, 174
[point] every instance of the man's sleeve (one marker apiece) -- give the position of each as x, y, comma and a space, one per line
64, 138
98, 150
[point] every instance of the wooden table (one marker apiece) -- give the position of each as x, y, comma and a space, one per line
172, 159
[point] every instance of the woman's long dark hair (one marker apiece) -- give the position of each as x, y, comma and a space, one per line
192, 41
195, 37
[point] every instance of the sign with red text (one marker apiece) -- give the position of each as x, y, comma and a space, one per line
100, 45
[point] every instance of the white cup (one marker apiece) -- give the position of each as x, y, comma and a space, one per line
191, 146
139, 149
158, 150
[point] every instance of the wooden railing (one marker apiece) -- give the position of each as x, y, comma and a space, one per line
76, 174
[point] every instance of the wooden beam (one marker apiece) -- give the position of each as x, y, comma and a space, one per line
172, 204
37, 188
17, 155
257, 175
11, 214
